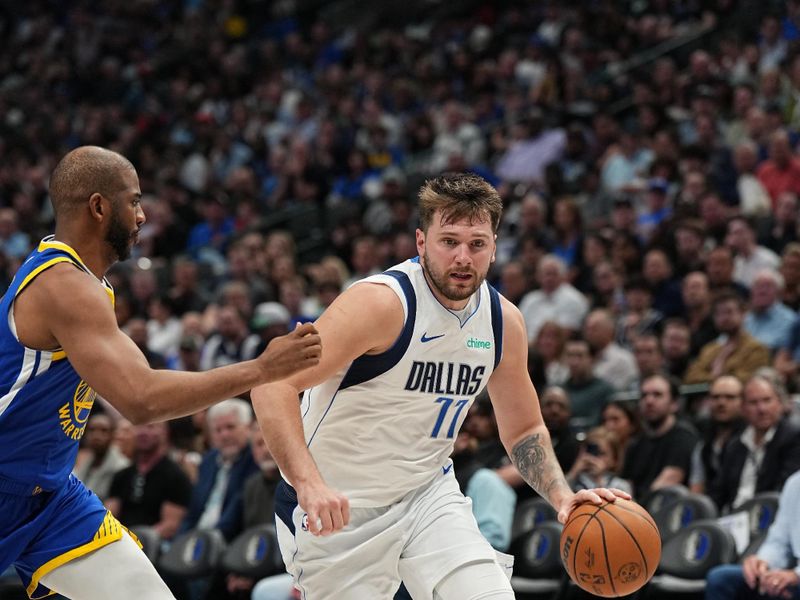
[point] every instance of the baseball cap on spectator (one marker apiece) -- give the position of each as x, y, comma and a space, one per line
658, 184
267, 314
623, 202
191, 343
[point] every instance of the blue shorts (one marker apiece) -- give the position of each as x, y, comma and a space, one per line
41, 532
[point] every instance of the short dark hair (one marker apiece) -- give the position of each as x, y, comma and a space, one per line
672, 383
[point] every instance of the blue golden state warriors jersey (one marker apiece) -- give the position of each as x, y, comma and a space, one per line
44, 404
385, 424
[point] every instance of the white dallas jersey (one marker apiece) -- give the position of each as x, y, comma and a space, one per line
385, 424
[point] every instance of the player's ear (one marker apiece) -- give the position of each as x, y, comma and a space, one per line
97, 206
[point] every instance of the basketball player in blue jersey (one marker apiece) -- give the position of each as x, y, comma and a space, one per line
59, 347
369, 497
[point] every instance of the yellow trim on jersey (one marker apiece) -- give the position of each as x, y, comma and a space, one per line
59, 355
39, 269
44, 245
110, 530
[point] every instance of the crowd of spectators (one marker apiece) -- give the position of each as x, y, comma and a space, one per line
647, 153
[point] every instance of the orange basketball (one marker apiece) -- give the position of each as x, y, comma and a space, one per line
612, 549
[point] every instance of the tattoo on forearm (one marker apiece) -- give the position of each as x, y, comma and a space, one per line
537, 464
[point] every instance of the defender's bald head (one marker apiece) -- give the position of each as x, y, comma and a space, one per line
85, 171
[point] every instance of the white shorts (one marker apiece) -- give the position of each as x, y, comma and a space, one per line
419, 540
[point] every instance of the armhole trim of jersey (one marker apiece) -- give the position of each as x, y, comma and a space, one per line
497, 324
369, 366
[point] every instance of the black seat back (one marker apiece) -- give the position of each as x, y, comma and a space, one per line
696, 548
150, 540
193, 554
682, 512
537, 552
531, 513
254, 553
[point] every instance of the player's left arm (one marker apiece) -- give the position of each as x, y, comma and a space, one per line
520, 424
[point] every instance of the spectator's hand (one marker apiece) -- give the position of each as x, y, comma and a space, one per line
592, 496
292, 352
753, 568
235, 583
777, 582
327, 511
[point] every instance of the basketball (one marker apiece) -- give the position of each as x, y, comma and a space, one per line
611, 549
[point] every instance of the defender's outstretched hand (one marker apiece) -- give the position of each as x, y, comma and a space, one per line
295, 351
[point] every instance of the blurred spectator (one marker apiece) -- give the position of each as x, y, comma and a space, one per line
153, 491
587, 393
217, 496
612, 363
676, 347
258, 501
689, 247
270, 320
780, 227
790, 270
647, 352
735, 352
555, 300
13, 242
769, 320
661, 455
621, 419
513, 282
104, 459
657, 209
639, 317
137, 330
598, 461
189, 353
531, 149
187, 293
548, 350
213, 233
164, 329
725, 423
232, 343
750, 257
754, 200
781, 172
659, 274
771, 572
568, 230
766, 452
556, 412
719, 270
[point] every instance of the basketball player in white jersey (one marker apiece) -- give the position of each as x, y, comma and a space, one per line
369, 497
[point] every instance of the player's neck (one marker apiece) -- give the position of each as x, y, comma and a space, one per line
92, 251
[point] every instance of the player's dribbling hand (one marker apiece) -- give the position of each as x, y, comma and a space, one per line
292, 352
327, 510
592, 496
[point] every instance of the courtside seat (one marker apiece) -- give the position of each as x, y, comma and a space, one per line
254, 553
686, 509
689, 555
194, 554
150, 540
531, 513
537, 562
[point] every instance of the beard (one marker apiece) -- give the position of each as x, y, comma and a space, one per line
655, 423
119, 238
442, 282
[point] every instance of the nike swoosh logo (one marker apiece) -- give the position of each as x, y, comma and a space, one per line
424, 337
446, 470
